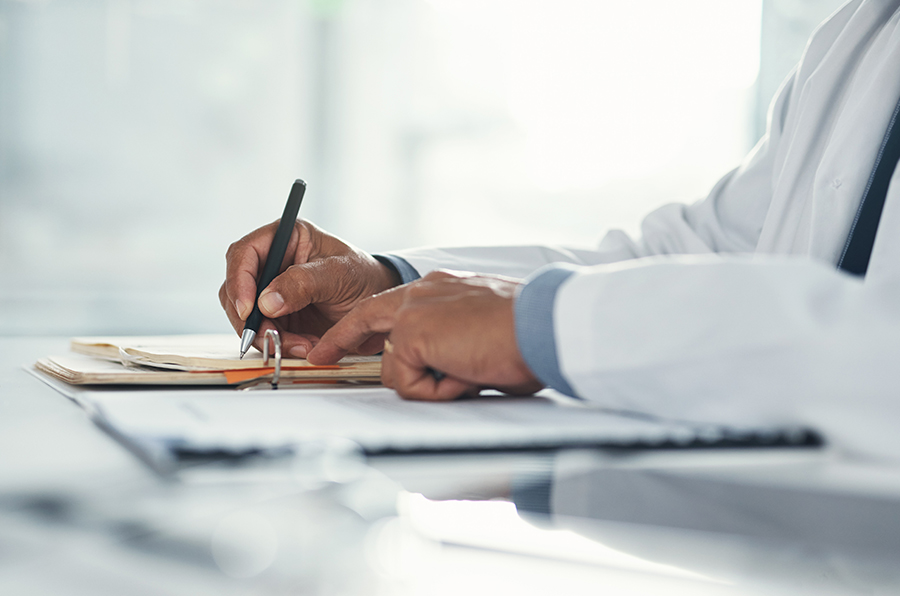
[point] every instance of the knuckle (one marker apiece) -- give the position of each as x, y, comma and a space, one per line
442, 274
365, 306
234, 248
420, 289
435, 275
306, 229
308, 236
360, 320
293, 278
415, 393
405, 391
409, 323
291, 272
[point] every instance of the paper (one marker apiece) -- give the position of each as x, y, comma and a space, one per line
175, 420
195, 352
378, 420
190, 360
78, 369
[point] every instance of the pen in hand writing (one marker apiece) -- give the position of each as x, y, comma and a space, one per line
273, 261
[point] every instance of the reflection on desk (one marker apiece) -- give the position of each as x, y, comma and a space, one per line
81, 515
777, 522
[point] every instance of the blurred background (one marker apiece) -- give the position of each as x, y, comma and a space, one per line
138, 138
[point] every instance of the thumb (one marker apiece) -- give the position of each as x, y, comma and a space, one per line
298, 287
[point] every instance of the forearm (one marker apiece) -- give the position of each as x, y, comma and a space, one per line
511, 261
734, 341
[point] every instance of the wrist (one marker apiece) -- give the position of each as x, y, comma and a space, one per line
401, 271
387, 276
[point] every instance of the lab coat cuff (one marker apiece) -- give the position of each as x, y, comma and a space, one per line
534, 324
400, 266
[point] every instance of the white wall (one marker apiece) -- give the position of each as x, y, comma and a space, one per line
139, 137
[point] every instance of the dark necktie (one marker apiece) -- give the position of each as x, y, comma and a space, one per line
858, 249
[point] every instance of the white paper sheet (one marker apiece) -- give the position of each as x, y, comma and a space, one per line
375, 418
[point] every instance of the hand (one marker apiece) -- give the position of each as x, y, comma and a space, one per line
322, 278
460, 324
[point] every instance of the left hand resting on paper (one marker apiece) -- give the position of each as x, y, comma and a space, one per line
459, 324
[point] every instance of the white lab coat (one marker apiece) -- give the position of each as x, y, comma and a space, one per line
732, 309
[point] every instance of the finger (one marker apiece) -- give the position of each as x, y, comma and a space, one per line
301, 285
371, 346
412, 381
230, 312
371, 316
443, 274
298, 345
243, 261
293, 345
266, 325
387, 370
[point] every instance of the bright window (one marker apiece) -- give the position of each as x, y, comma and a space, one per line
138, 138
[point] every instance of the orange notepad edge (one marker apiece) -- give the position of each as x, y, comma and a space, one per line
245, 374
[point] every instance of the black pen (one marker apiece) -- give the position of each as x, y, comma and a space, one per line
273, 261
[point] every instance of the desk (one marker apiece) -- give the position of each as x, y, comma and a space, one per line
79, 514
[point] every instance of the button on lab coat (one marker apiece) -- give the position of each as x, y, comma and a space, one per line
732, 309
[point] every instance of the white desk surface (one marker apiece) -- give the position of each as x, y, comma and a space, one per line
80, 514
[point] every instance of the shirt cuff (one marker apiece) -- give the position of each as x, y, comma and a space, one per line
401, 267
534, 324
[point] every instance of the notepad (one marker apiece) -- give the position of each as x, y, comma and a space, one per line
189, 360
193, 352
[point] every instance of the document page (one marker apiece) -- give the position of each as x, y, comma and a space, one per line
375, 418
196, 352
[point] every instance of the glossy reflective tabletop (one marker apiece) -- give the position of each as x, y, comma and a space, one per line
80, 514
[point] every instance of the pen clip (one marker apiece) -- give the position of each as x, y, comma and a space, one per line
276, 343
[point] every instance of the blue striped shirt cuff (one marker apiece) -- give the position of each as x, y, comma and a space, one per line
400, 266
534, 325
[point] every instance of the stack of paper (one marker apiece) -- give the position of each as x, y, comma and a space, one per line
190, 360
182, 421
160, 421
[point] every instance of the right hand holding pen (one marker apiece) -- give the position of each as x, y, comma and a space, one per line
321, 279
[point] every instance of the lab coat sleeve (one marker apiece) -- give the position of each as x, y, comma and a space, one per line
728, 340
728, 220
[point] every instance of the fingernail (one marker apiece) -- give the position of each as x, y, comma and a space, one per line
299, 351
271, 302
240, 306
